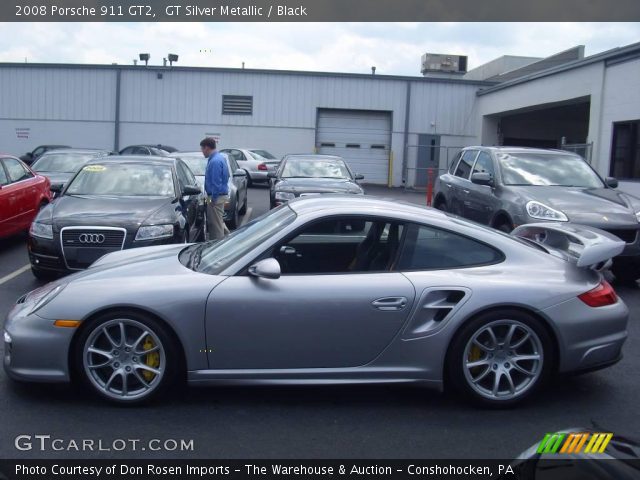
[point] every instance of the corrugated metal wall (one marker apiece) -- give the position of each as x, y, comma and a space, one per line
183, 105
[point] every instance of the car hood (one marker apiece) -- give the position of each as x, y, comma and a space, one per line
57, 177
105, 211
600, 206
318, 185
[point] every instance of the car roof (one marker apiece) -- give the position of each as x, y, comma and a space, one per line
142, 159
507, 149
316, 203
76, 150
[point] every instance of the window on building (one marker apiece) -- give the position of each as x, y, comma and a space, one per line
625, 150
237, 105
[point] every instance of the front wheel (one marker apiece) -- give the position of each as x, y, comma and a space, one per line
126, 358
500, 358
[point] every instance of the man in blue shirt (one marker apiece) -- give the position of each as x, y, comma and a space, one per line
216, 185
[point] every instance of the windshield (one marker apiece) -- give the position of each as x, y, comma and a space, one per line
62, 162
196, 163
263, 154
215, 257
544, 169
125, 179
308, 168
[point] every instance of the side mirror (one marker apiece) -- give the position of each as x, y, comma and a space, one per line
56, 187
482, 179
239, 173
272, 174
359, 176
611, 182
191, 190
267, 268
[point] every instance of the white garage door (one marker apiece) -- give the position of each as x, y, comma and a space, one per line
362, 138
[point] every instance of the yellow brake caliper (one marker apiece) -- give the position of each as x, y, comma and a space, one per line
475, 353
150, 359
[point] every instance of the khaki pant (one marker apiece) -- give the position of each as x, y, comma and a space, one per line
215, 223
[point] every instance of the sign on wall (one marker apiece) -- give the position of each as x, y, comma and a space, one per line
23, 133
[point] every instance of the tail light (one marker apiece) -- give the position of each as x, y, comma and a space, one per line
262, 167
600, 296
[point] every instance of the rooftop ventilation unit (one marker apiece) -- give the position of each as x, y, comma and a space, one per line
436, 63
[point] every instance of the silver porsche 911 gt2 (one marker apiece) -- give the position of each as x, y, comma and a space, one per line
331, 289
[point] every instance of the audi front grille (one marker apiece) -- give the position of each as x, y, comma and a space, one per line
81, 246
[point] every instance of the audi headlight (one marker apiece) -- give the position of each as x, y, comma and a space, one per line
285, 196
38, 298
543, 212
154, 231
41, 230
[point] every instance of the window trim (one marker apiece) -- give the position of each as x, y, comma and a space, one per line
244, 270
472, 163
409, 224
493, 165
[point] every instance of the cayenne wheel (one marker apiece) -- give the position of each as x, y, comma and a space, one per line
441, 205
504, 227
126, 358
500, 358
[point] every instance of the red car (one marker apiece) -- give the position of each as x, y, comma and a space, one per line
22, 194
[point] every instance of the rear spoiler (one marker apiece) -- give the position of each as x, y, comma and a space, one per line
585, 246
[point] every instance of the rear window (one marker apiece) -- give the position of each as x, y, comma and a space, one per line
429, 248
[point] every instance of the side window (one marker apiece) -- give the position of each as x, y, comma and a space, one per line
234, 165
484, 164
454, 164
341, 245
429, 248
16, 170
238, 155
466, 162
3, 175
127, 151
38, 151
183, 175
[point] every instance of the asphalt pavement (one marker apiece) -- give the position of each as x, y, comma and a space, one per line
375, 422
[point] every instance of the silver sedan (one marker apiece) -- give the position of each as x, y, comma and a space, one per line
331, 290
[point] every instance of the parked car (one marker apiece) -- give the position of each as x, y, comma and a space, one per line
22, 194
32, 156
60, 165
302, 175
116, 203
332, 290
237, 204
256, 165
156, 150
506, 186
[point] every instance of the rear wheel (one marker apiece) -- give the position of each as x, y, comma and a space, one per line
126, 358
500, 358
441, 205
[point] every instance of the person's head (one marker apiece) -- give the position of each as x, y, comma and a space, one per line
207, 146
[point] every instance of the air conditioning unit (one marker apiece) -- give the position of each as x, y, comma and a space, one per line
442, 63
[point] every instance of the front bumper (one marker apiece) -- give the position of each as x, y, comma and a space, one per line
589, 338
34, 349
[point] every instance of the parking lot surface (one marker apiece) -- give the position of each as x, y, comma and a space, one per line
310, 422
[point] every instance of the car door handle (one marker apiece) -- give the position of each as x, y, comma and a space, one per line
465, 190
387, 304
448, 185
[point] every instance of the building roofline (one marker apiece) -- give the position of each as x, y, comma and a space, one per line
160, 68
627, 52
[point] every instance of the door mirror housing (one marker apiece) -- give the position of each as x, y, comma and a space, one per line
191, 190
611, 182
482, 178
359, 176
56, 187
267, 268
239, 173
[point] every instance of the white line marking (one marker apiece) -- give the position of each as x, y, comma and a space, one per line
246, 216
20, 271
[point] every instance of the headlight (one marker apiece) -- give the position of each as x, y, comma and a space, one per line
7, 337
638, 216
39, 297
285, 196
541, 211
154, 231
41, 230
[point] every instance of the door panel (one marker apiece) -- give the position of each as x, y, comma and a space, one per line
305, 321
480, 201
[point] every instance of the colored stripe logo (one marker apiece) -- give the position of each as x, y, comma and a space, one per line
574, 443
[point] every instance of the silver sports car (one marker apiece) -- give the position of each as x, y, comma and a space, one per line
331, 289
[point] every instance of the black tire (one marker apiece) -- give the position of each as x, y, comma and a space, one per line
173, 364
234, 221
504, 226
243, 210
43, 275
441, 205
626, 273
457, 375
249, 181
